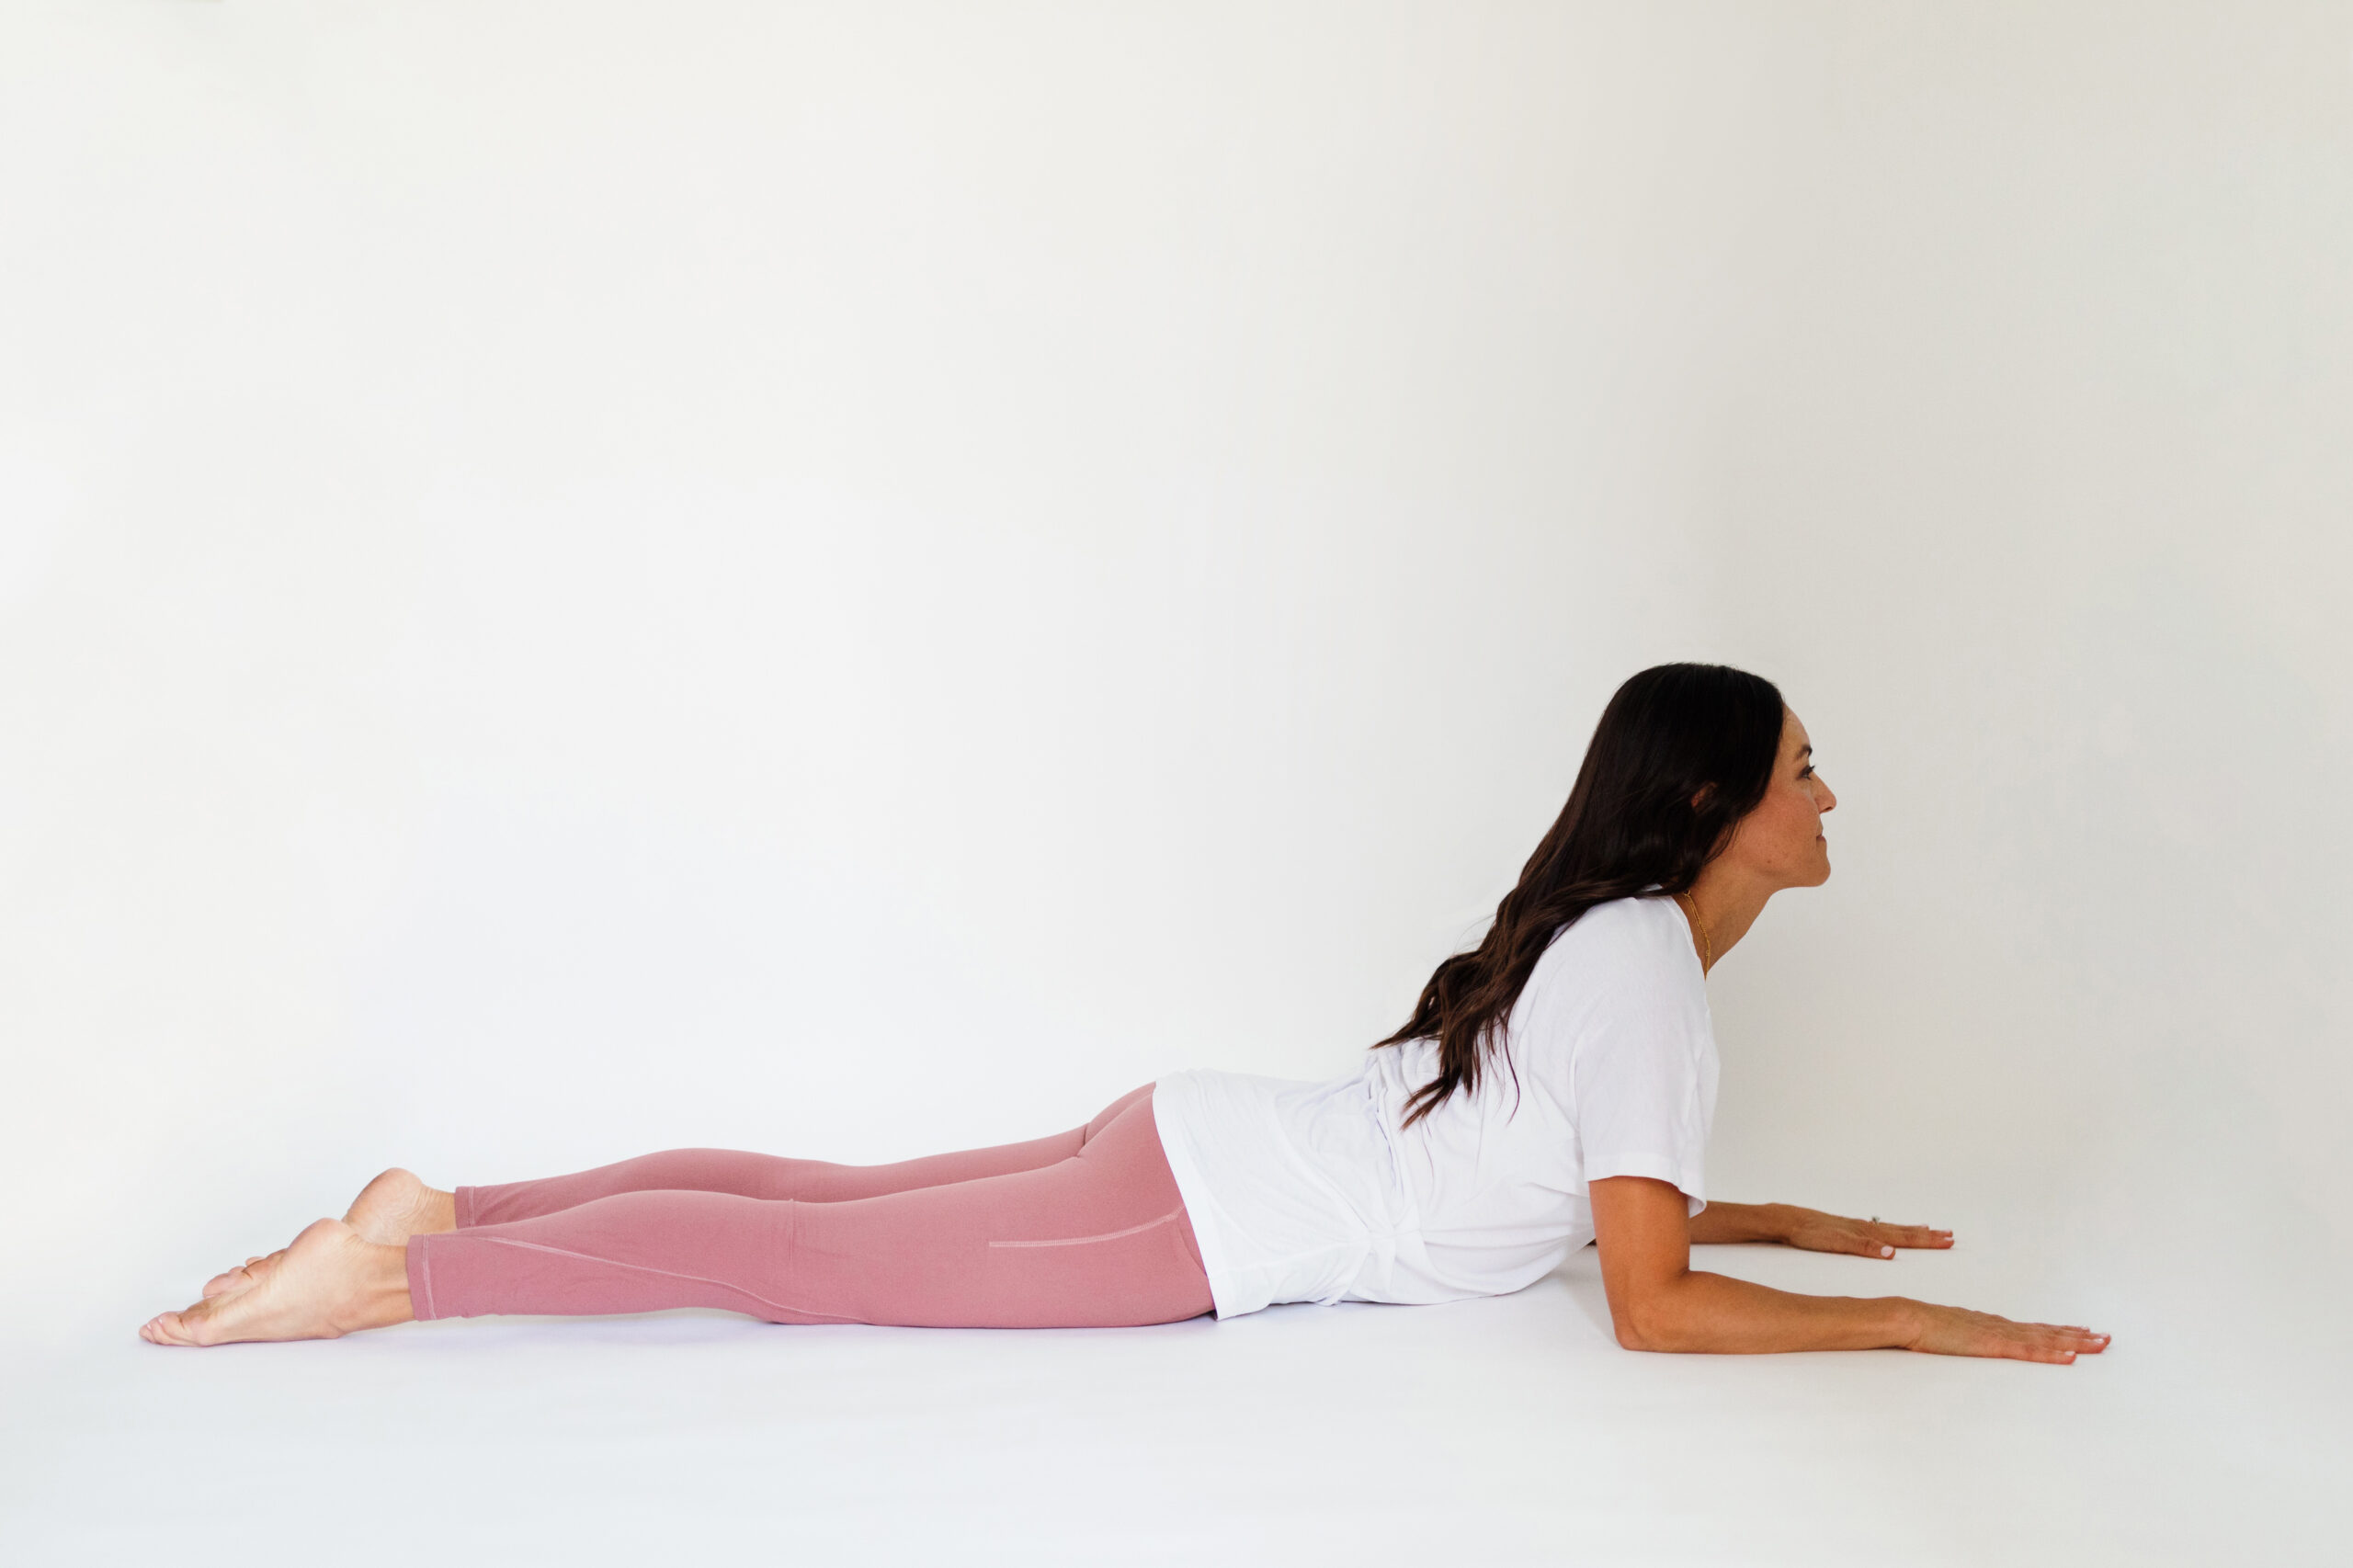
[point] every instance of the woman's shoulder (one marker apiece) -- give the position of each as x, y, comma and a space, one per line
1615, 972
1639, 938
1645, 923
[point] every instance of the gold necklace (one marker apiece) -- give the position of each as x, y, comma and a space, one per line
1708, 949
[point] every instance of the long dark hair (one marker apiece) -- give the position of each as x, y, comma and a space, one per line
1682, 753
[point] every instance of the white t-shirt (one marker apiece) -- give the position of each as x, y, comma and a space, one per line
1313, 1192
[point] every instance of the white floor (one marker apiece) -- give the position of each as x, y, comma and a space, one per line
1501, 1431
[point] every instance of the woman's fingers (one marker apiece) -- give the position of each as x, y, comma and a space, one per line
1954, 1331
2060, 1346
1865, 1238
2048, 1343
1852, 1236
1874, 1238
2026, 1344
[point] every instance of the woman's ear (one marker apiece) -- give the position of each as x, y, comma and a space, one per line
1700, 802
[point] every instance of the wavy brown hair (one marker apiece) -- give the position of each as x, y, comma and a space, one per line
1682, 753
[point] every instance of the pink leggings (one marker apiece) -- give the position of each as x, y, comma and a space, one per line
1081, 1230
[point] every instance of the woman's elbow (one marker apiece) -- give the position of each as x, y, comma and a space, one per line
1649, 1325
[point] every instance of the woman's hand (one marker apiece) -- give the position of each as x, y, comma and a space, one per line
1957, 1331
1816, 1232
1808, 1228
1658, 1302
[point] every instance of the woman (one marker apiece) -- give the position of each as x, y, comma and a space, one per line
1553, 1087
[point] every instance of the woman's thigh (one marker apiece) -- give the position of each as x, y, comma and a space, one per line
1098, 1239
841, 1183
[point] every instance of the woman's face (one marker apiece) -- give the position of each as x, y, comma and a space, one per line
1781, 842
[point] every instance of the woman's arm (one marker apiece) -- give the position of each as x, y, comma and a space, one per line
1808, 1228
1657, 1302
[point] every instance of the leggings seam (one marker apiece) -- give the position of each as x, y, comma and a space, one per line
1105, 1236
664, 1273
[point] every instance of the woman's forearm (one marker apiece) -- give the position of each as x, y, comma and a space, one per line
1719, 1223
1701, 1312
1658, 1302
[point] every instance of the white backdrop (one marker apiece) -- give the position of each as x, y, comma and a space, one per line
856, 580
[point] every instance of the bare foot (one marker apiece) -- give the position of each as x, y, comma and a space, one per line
397, 1205
330, 1282
247, 1273
388, 1209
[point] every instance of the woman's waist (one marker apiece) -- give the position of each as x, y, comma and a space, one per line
1334, 1131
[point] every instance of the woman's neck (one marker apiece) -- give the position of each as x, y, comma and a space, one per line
1727, 905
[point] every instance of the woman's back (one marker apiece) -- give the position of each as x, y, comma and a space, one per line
1304, 1191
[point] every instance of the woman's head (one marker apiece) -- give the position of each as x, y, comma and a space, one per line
1686, 766
1683, 753
1779, 842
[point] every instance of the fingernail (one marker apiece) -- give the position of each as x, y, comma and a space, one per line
1887, 1251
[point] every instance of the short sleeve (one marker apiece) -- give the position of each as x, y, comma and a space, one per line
1641, 1083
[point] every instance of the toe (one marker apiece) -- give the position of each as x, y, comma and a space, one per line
165, 1329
